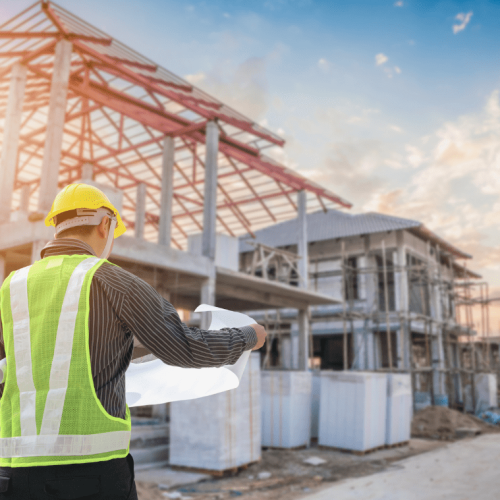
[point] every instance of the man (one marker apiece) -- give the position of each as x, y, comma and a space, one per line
68, 324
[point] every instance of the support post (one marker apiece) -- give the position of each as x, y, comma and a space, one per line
167, 192
24, 204
210, 199
10, 142
36, 248
402, 304
87, 172
207, 297
140, 211
301, 344
55, 125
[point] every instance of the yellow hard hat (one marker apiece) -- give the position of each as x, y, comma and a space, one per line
77, 196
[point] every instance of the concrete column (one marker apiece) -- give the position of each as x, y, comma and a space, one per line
55, 125
302, 246
366, 356
207, 297
36, 249
2, 269
24, 205
303, 339
140, 211
167, 192
87, 172
10, 142
210, 201
402, 305
300, 346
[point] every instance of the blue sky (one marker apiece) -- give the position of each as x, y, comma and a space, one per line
385, 102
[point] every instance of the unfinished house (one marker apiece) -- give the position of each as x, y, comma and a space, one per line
188, 173
400, 293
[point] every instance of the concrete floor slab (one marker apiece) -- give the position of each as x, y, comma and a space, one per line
465, 470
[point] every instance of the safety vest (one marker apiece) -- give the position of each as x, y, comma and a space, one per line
49, 411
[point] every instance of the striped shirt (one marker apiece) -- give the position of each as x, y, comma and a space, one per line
123, 306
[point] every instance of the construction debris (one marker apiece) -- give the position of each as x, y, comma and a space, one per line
438, 422
314, 461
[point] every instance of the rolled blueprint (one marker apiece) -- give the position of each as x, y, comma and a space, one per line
3, 369
154, 382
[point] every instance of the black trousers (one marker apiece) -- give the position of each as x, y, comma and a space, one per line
111, 480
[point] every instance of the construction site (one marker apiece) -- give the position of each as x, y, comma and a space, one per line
373, 321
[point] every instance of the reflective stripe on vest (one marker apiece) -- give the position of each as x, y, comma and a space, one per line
49, 442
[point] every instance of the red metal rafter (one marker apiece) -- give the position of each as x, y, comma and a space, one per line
54, 18
134, 64
245, 180
178, 86
55, 34
187, 101
236, 211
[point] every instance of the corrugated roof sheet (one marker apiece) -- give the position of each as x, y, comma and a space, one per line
326, 226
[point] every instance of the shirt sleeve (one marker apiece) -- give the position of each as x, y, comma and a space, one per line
156, 324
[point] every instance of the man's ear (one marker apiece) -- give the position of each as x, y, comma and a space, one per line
103, 227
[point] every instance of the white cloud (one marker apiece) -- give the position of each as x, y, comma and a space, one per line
381, 59
196, 78
399, 3
226, 15
464, 21
415, 156
397, 69
395, 128
323, 64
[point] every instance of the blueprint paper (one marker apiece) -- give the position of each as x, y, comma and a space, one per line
154, 382
3, 369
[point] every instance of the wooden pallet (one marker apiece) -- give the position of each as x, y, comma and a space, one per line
295, 448
352, 452
218, 473
397, 445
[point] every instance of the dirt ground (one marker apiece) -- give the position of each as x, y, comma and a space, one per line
282, 474
289, 477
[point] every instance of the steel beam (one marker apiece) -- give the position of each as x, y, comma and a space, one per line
55, 125
8, 161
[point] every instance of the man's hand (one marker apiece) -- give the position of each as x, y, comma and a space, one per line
261, 336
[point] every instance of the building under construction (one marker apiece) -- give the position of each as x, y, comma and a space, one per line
189, 176
406, 301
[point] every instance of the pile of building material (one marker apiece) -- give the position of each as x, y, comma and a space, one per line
485, 394
438, 422
353, 409
286, 404
399, 408
219, 432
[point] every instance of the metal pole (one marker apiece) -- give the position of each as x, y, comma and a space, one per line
386, 300
345, 351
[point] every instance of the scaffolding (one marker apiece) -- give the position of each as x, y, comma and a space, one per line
464, 323
431, 317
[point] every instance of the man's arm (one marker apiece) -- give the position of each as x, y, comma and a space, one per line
156, 324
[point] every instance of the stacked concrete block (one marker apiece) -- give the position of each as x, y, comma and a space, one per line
399, 408
286, 403
485, 393
353, 408
222, 431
